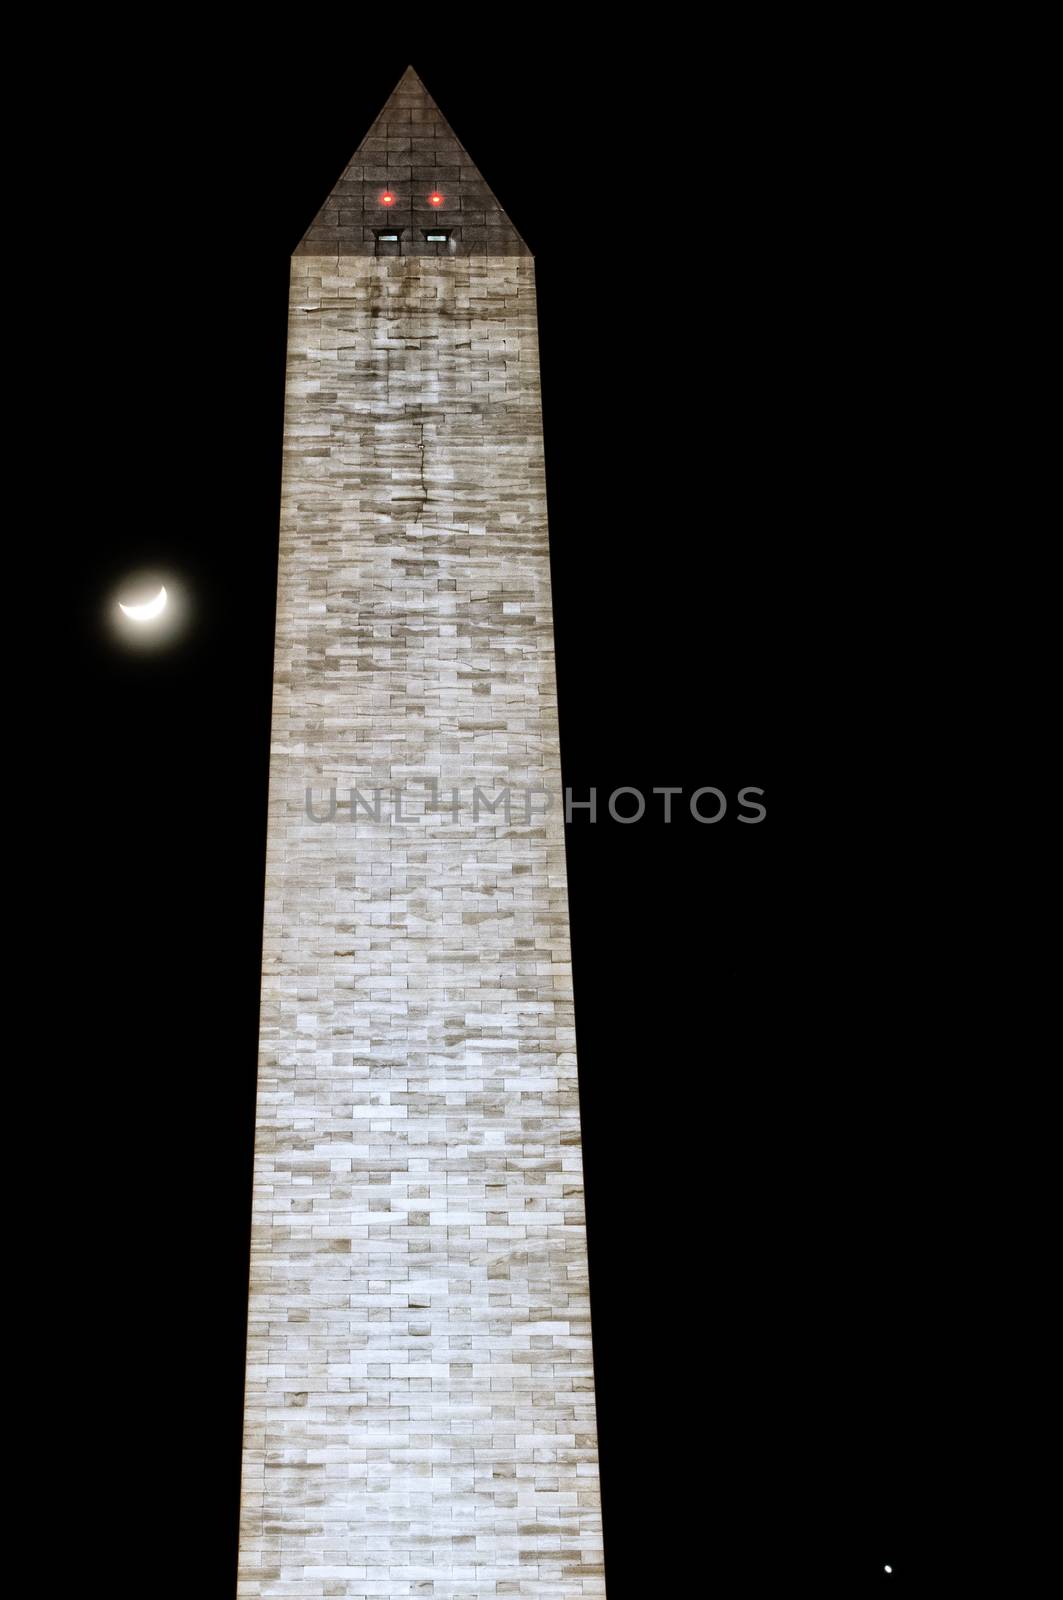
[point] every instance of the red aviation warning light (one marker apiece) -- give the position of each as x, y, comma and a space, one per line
387, 198
435, 198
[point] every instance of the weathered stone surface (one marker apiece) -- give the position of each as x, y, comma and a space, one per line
419, 1398
411, 151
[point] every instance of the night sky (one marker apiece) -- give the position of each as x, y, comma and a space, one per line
777, 1275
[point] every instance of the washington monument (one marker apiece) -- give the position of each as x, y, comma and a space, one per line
419, 1400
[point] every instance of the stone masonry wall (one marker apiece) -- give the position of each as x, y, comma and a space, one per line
419, 1398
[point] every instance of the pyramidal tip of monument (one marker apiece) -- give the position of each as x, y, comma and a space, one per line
411, 189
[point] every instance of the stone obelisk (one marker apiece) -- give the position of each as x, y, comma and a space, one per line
419, 1402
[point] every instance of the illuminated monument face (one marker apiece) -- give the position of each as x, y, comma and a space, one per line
419, 1415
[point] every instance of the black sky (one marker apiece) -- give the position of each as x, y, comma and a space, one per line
733, 243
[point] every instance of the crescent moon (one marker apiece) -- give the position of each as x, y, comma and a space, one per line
149, 609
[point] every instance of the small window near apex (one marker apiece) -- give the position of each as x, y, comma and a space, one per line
436, 235
387, 235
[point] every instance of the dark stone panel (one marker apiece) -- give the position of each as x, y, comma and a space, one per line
412, 150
